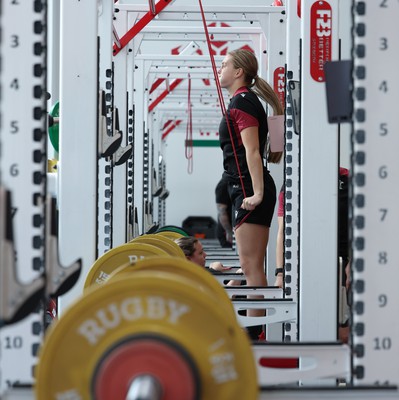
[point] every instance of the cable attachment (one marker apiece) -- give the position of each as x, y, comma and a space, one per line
108, 145
122, 154
59, 279
17, 300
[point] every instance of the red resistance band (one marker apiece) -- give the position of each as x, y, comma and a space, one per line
220, 95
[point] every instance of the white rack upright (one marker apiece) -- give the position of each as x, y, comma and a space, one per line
23, 166
318, 177
291, 181
77, 167
375, 193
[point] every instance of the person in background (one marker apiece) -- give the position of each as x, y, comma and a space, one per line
343, 245
224, 230
279, 273
244, 135
194, 252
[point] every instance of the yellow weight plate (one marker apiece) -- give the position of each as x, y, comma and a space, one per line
101, 335
162, 242
112, 259
187, 269
169, 234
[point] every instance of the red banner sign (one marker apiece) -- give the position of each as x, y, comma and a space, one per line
279, 83
320, 38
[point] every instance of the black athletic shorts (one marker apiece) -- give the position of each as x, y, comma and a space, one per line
263, 213
222, 193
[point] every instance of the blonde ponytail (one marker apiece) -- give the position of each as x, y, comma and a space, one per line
266, 93
247, 61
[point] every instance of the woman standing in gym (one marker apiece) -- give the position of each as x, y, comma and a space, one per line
253, 195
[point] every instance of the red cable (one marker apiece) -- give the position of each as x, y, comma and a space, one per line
220, 95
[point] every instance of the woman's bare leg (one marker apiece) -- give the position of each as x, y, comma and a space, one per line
252, 241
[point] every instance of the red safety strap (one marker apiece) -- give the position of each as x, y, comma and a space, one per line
189, 130
170, 129
172, 86
140, 24
174, 51
156, 84
167, 123
220, 95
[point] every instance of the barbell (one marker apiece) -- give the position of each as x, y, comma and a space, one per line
151, 330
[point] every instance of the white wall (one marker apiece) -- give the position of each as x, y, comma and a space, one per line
191, 194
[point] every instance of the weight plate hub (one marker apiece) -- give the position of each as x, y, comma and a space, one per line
112, 259
157, 357
83, 345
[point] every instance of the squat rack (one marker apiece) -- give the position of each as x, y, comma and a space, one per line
365, 338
